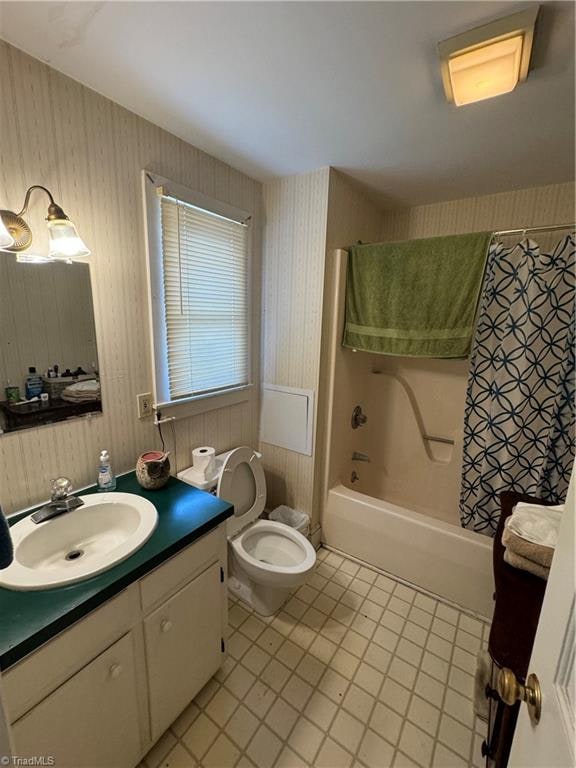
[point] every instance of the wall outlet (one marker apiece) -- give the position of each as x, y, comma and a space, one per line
144, 405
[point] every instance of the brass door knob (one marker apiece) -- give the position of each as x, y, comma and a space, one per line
511, 691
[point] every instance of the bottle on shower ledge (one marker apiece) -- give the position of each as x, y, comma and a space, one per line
106, 478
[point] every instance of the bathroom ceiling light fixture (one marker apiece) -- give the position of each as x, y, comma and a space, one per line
489, 60
64, 241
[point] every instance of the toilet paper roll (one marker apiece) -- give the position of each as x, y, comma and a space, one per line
203, 460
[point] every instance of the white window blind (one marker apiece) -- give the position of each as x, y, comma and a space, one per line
205, 270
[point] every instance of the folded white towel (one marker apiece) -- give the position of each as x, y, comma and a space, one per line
89, 385
536, 523
82, 391
80, 398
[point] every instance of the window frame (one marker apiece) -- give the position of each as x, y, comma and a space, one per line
194, 404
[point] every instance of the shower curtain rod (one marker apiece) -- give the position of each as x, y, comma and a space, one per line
523, 231
550, 228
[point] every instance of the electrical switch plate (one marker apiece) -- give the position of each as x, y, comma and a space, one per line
144, 405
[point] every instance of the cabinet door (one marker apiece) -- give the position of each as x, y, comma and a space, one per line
91, 720
183, 647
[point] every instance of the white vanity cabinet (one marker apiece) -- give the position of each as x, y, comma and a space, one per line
92, 719
183, 647
104, 690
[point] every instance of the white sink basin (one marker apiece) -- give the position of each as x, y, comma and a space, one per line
76, 545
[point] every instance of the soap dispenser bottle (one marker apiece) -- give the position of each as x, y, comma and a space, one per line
106, 478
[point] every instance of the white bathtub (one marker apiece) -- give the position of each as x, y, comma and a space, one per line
445, 559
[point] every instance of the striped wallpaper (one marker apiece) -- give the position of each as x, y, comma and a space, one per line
537, 206
306, 216
89, 152
293, 278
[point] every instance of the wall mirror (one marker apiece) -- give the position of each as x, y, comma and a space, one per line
48, 358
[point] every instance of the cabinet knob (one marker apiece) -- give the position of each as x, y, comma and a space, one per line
166, 625
115, 671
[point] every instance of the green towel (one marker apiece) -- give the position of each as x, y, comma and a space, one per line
415, 298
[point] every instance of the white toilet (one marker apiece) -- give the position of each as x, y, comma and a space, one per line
267, 560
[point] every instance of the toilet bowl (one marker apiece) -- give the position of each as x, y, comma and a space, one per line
267, 560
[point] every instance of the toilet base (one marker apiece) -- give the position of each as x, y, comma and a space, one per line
266, 601
266, 580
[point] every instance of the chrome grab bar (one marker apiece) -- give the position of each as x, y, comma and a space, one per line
435, 439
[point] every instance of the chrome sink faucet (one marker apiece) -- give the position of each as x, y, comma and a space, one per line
61, 501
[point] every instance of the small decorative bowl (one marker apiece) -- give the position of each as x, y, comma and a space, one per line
153, 470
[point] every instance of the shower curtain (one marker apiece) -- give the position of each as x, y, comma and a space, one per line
519, 415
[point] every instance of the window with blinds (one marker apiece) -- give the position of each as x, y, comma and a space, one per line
205, 281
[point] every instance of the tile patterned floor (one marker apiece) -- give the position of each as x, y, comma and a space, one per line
358, 670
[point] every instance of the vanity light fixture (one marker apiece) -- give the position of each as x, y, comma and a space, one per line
65, 244
6, 238
489, 60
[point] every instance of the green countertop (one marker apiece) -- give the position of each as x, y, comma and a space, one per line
29, 619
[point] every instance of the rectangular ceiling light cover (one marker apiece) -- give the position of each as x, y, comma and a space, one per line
489, 60
486, 72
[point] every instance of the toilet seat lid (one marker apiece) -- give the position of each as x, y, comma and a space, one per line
243, 484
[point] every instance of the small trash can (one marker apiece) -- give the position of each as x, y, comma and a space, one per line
291, 517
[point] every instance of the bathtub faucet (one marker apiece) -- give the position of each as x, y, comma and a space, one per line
358, 418
357, 456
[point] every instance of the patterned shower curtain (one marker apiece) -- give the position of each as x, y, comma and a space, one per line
519, 417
